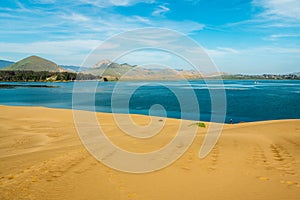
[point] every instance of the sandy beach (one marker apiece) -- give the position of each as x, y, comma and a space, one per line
42, 157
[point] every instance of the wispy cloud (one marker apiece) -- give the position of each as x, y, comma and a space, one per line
109, 3
280, 36
75, 17
270, 50
111, 24
44, 1
160, 10
70, 21
275, 9
227, 49
221, 51
67, 51
66, 31
272, 14
193, 1
66, 47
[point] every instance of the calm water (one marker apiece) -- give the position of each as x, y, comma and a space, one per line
245, 100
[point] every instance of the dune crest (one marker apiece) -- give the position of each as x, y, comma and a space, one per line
42, 157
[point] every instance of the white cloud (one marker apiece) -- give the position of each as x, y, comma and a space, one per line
22, 8
142, 19
109, 3
62, 52
194, 2
280, 8
111, 24
279, 36
68, 21
67, 47
272, 14
160, 10
76, 17
154, 45
271, 50
226, 49
43, 1
182, 26
221, 51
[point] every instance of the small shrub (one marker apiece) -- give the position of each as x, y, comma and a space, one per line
200, 124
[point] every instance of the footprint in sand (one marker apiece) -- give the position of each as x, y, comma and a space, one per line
186, 168
122, 188
262, 178
10, 177
188, 159
277, 154
259, 157
120, 183
283, 159
214, 158
131, 195
112, 178
290, 183
190, 156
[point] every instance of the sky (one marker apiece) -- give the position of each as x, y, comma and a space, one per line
240, 36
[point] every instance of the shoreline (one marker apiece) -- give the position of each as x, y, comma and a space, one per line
144, 115
161, 80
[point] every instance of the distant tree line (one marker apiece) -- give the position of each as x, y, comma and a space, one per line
254, 77
43, 76
264, 76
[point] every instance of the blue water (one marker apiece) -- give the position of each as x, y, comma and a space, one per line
245, 100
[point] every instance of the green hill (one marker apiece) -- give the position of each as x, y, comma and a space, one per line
34, 63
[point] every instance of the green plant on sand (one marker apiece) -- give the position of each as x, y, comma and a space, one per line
200, 124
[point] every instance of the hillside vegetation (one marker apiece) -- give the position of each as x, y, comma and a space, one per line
34, 63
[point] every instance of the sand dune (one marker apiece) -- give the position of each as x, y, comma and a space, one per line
41, 157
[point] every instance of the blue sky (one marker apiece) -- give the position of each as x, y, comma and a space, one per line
241, 36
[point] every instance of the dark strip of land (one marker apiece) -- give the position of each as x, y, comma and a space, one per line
10, 86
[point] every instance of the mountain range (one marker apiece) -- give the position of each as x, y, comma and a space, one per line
105, 68
109, 70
